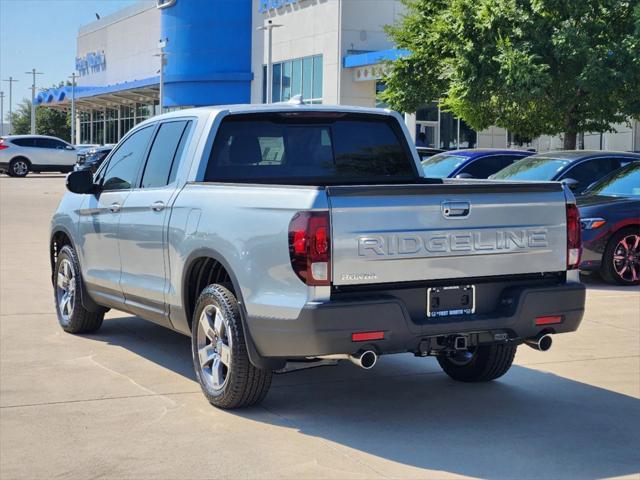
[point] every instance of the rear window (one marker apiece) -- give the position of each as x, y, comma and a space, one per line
310, 149
442, 165
532, 168
24, 142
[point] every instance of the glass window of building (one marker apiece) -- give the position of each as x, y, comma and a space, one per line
98, 127
85, 127
127, 120
111, 135
302, 76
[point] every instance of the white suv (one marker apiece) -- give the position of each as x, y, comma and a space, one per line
20, 154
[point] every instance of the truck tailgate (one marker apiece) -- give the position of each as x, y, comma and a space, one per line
402, 233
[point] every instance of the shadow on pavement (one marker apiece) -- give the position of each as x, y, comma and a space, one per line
528, 424
593, 281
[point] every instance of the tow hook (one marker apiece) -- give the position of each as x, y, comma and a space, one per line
461, 343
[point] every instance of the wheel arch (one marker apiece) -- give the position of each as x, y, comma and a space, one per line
22, 157
205, 266
60, 237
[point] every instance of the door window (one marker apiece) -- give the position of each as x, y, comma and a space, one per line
24, 142
124, 165
165, 154
591, 170
483, 167
49, 143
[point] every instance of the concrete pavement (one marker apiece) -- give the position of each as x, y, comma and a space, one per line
123, 403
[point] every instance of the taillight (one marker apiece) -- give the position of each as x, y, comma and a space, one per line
2, 144
574, 240
310, 247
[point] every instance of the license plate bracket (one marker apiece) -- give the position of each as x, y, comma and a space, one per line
451, 301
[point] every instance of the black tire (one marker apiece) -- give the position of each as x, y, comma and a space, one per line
78, 319
243, 384
19, 167
608, 268
486, 363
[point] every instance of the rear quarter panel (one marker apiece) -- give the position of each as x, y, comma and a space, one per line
246, 228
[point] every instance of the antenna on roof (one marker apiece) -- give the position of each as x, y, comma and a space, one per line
296, 100
97, 16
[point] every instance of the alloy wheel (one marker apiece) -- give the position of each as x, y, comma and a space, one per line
214, 347
20, 168
626, 258
66, 290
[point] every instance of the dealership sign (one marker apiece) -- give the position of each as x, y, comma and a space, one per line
92, 62
266, 5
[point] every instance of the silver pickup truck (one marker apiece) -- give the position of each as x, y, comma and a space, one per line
305, 233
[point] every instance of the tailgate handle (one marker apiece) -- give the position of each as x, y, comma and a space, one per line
455, 209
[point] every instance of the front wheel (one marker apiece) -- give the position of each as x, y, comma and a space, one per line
72, 315
621, 259
227, 378
479, 364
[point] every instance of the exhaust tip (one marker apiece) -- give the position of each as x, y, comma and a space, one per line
544, 343
368, 359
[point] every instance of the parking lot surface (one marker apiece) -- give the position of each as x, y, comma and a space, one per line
124, 403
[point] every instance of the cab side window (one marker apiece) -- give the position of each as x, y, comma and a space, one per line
483, 167
591, 170
165, 153
122, 171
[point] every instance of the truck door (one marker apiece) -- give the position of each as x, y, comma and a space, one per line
144, 218
100, 218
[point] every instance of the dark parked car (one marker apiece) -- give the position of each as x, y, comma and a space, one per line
427, 152
92, 158
472, 163
577, 168
610, 217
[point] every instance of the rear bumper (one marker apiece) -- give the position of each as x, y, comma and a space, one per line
4, 166
326, 328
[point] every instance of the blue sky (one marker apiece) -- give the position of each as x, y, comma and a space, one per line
42, 34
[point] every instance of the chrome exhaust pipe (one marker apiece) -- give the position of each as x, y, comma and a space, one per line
365, 359
541, 342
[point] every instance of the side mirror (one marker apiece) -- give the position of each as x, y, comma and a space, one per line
572, 183
81, 182
464, 175
69, 147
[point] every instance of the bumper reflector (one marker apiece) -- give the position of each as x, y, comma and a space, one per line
548, 320
367, 336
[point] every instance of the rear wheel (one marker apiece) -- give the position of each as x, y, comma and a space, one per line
479, 364
621, 259
227, 378
18, 167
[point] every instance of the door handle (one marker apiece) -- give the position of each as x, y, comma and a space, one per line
115, 207
157, 206
455, 209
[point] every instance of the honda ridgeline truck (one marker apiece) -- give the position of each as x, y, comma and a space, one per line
289, 232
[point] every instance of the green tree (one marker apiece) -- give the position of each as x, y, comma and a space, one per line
532, 66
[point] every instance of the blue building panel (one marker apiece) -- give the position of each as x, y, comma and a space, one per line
208, 52
373, 58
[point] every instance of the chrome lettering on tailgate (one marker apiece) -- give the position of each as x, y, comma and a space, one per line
433, 244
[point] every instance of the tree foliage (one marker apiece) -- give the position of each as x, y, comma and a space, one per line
532, 66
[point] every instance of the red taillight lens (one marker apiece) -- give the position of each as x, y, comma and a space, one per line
549, 320
2, 144
310, 248
574, 239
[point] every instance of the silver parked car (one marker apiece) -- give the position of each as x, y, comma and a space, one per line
21, 154
271, 233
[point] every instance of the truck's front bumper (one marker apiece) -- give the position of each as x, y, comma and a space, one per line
326, 328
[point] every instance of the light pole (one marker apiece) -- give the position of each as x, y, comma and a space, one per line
73, 108
161, 44
269, 28
33, 72
11, 81
1, 114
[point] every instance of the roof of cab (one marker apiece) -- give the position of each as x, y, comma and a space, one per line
274, 107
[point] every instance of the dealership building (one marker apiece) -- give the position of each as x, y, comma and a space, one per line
213, 52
